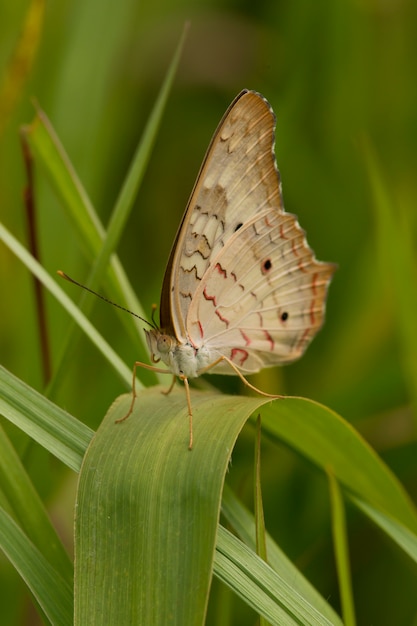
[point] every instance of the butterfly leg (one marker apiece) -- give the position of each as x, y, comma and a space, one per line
188, 396
171, 387
132, 404
161, 371
242, 378
146, 367
190, 412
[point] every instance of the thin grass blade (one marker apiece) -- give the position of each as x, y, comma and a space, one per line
31, 263
395, 231
52, 592
261, 587
56, 430
341, 550
243, 524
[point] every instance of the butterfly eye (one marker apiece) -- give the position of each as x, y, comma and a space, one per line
266, 266
164, 343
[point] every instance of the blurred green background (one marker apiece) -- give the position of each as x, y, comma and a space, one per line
340, 76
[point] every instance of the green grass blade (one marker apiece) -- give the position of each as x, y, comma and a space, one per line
313, 430
395, 230
28, 510
98, 244
52, 158
54, 429
18, 69
137, 169
243, 524
332, 443
261, 587
151, 455
341, 550
127, 197
259, 510
53, 593
23, 255
402, 536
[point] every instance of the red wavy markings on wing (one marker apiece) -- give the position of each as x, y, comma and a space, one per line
239, 356
221, 270
269, 338
246, 338
294, 248
313, 301
282, 232
314, 283
303, 338
210, 298
302, 267
221, 318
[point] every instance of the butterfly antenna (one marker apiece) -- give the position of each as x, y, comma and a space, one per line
118, 306
154, 309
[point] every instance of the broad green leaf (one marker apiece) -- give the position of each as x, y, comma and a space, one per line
139, 474
148, 508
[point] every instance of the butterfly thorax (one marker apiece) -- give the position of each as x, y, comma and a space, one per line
182, 359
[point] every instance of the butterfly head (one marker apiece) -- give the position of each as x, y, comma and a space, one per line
159, 344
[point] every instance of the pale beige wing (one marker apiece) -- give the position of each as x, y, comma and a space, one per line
237, 180
262, 299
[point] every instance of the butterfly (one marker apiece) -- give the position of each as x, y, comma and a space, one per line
242, 289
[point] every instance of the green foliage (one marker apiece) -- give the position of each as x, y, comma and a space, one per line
340, 77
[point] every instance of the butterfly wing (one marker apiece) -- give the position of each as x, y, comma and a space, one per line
234, 182
241, 278
262, 299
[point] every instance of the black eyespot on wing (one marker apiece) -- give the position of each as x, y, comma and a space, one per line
266, 266
284, 316
238, 226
